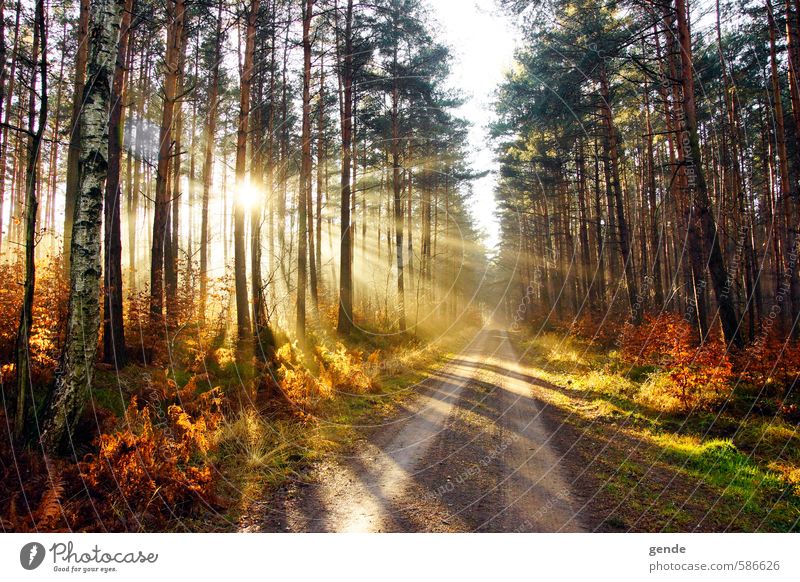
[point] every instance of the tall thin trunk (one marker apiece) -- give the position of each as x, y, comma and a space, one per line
7, 112
36, 125
172, 235
396, 176
610, 143
177, 16
345, 316
113, 326
650, 187
304, 194
239, 266
696, 181
785, 202
208, 161
321, 162
265, 342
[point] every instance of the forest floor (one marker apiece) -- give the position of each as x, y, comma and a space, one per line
541, 434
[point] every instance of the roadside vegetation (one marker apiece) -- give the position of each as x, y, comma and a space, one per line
676, 436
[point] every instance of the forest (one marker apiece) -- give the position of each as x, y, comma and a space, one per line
246, 289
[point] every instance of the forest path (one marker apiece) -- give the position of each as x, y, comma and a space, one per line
470, 453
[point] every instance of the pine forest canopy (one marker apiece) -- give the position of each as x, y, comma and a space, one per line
646, 167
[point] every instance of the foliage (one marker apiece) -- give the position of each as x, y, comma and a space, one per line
39, 505
49, 318
771, 363
155, 466
181, 337
695, 374
603, 328
342, 370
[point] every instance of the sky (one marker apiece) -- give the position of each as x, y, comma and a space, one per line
482, 40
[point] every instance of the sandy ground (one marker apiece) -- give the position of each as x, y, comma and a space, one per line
473, 452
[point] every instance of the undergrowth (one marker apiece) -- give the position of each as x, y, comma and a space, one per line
192, 430
727, 423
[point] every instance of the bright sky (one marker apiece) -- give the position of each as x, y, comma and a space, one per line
482, 40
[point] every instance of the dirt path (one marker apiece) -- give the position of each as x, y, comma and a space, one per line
471, 453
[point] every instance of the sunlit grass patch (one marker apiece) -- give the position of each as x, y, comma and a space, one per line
556, 352
723, 460
605, 383
718, 462
769, 438
254, 452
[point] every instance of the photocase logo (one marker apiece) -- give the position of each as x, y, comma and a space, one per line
31, 555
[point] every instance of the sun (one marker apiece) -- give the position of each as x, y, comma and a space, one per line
248, 196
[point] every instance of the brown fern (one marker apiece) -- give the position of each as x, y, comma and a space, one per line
48, 512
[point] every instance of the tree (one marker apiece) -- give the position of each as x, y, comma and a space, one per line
176, 10
240, 267
345, 315
208, 156
113, 325
702, 205
74, 380
35, 131
74, 152
304, 194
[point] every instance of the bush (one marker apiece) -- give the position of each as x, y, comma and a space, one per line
771, 363
604, 328
152, 470
49, 318
343, 371
693, 375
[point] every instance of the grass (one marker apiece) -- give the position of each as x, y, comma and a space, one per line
730, 468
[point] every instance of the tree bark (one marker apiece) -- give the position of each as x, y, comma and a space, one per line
113, 326
612, 154
397, 185
304, 194
321, 163
74, 378
345, 316
208, 161
165, 152
74, 151
702, 204
239, 266
23, 364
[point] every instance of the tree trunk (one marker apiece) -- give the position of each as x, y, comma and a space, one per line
239, 266
265, 341
165, 152
345, 316
304, 193
74, 151
397, 184
23, 364
696, 181
612, 154
208, 161
7, 110
650, 186
321, 162
74, 379
785, 203
113, 326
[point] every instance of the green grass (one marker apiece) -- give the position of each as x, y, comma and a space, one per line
735, 467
